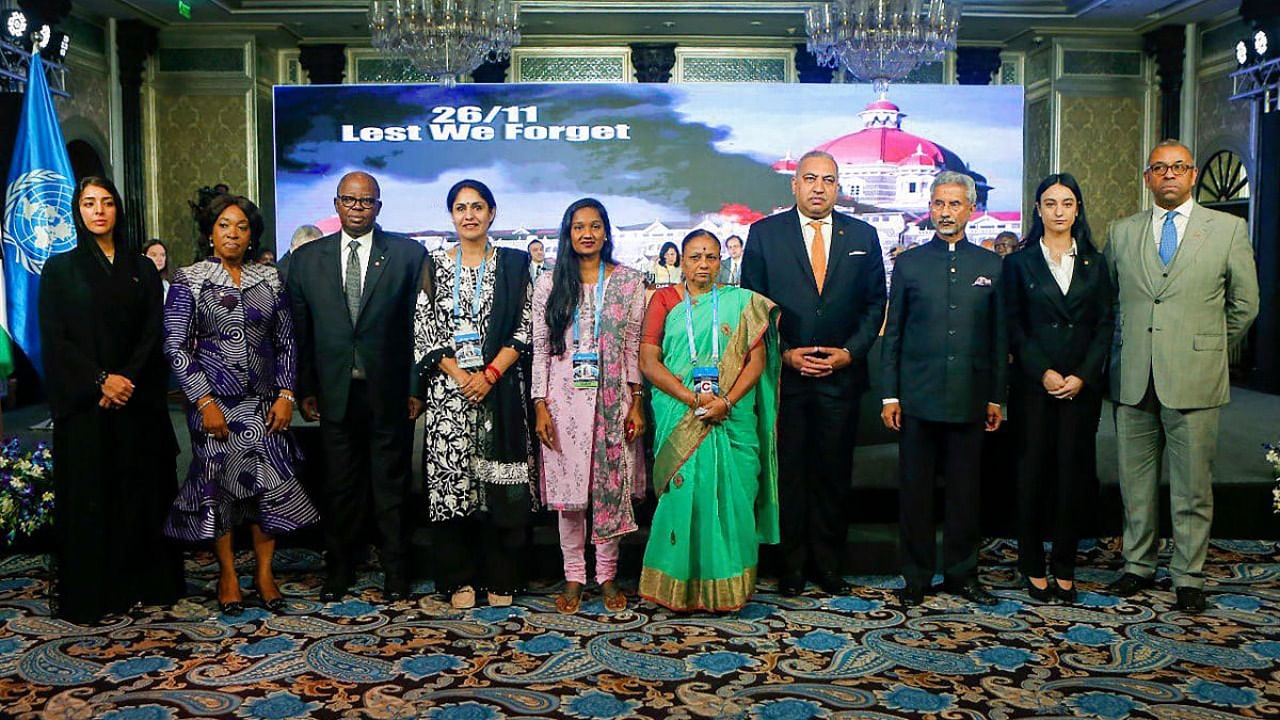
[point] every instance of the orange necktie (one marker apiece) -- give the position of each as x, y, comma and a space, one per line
818, 255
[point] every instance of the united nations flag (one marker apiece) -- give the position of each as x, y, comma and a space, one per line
37, 212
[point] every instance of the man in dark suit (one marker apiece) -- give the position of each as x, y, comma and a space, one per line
824, 270
945, 358
353, 295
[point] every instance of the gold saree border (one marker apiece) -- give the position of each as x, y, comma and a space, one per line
689, 432
686, 595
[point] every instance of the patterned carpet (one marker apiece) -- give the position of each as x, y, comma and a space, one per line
777, 659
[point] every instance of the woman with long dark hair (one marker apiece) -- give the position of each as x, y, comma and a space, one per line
229, 338
1060, 324
587, 395
472, 326
114, 449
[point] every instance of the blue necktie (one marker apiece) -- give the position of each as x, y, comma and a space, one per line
1168, 238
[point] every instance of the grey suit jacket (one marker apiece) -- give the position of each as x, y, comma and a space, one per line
1175, 323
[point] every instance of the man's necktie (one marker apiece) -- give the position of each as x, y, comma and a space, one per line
818, 255
1168, 238
353, 280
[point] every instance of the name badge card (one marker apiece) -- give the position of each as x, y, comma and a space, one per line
586, 370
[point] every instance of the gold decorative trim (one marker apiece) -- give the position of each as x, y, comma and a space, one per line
686, 595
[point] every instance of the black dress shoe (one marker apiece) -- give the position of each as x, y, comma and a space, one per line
1129, 584
833, 584
911, 595
1065, 595
1043, 594
1190, 600
335, 586
972, 591
791, 585
395, 589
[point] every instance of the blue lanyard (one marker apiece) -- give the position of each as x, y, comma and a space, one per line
715, 324
457, 283
599, 306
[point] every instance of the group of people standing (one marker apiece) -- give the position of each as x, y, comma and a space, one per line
537, 385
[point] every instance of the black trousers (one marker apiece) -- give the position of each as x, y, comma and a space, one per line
925, 448
485, 549
367, 473
1056, 476
816, 436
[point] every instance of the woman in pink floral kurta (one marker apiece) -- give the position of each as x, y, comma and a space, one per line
590, 430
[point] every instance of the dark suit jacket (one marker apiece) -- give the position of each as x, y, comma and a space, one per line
1048, 330
945, 350
383, 331
850, 309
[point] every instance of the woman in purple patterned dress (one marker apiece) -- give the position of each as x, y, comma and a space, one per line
587, 395
229, 339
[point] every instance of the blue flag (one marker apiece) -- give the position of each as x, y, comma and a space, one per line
37, 210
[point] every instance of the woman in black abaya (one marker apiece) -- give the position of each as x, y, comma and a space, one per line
114, 449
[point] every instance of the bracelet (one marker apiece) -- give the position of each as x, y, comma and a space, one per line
101, 379
637, 393
539, 400
288, 397
727, 403
489, 378
203, 405
495, 370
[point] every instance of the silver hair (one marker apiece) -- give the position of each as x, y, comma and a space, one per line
950, 177
303, 235
817, 154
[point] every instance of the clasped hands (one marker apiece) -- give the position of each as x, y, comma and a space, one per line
116, 391
708, 408
817, 361
1062, 388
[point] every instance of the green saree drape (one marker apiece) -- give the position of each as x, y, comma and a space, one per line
717, 485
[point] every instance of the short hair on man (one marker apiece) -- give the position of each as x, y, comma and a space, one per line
1173, 142
303, 235
817, 154
950, 177
533, 242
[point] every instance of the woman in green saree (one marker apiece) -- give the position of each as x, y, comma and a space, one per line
711, 353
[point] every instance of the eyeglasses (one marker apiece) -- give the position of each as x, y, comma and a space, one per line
350, 201
1179, 169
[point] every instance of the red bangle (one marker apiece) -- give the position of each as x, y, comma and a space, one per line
497, 374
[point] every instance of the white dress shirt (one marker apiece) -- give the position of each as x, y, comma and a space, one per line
1063, 271
363, 252
1179, 222
808, 231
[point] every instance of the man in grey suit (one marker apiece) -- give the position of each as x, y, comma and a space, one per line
1188, 289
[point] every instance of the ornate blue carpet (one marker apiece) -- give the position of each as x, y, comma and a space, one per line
779, 658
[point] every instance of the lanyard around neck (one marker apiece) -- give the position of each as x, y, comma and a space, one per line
577, 315
457, 283
715, 325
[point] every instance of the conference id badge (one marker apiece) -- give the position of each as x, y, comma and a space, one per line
586, 370
468, 353
706, 379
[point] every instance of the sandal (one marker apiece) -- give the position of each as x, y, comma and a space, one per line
614, 599
464, 598
496, 600
568, 602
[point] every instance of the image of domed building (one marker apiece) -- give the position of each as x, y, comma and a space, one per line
883, 167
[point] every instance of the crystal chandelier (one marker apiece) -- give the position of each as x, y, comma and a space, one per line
445, 38
882, 40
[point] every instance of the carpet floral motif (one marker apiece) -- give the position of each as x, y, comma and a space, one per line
778, 658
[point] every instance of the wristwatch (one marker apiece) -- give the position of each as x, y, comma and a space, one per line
101, 379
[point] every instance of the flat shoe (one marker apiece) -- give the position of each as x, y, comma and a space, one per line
496, 600
615, 601
464, 598
568, 603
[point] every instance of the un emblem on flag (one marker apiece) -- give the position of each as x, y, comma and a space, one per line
38, 220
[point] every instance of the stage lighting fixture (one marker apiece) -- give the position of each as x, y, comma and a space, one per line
64, 46
15, 25
1242, 52
1260, 43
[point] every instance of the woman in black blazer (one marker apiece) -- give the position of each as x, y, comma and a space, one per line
1060, 323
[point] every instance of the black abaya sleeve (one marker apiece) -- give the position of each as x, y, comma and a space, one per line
70, 373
